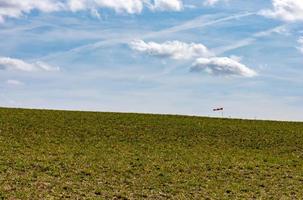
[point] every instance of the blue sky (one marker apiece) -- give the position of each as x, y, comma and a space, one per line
160, 56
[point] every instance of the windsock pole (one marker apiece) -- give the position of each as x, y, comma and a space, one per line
219, 109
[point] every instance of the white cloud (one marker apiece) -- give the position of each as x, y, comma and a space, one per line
127, 6
7, 63
205, 60
287, 10
222, 66
300, 41
17, 8
162, 5
77, 5
14, 83
172, 49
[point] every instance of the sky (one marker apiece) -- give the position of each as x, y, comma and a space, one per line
154, 56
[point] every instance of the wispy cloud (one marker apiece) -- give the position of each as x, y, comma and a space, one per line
278, 30
248, 41
287, 10
14, 64
198, 22
222, 66
13, 82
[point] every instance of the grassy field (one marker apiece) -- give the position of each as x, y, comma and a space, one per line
82, 155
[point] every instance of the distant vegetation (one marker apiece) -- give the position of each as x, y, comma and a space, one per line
82, 155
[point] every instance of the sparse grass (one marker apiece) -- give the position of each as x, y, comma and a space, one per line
81, 155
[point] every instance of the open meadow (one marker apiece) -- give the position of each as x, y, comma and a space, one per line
86, 155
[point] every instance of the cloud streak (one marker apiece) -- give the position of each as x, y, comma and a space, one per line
248, 41
199, 22
300, 41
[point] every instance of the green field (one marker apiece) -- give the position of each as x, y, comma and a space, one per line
83, 155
